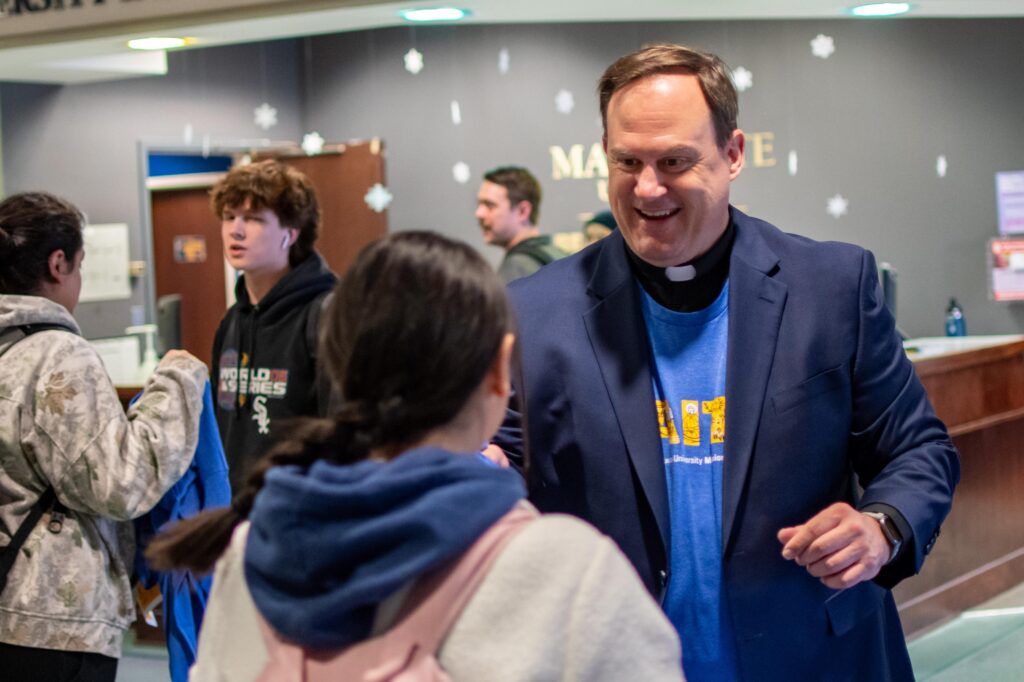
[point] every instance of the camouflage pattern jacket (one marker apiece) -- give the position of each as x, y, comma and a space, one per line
61, 425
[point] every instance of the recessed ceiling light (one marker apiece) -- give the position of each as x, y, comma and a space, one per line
157, 43
881, 9
434, 14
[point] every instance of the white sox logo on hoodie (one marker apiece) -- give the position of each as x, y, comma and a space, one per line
259, 414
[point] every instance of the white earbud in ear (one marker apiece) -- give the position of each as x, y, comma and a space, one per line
284, 243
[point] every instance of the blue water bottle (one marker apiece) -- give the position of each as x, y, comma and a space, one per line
955, 325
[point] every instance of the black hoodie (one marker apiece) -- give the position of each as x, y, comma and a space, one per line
268, 351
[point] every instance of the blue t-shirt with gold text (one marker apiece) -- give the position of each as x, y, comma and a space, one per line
688, 368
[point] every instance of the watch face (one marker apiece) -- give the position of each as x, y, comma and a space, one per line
889, 529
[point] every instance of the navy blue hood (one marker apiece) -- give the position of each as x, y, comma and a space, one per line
327, 544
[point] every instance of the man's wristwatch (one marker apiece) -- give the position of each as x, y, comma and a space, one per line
889, 530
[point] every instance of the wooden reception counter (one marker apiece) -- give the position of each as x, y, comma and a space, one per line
977, 387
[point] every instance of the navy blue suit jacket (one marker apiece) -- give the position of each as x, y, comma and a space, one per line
820, 398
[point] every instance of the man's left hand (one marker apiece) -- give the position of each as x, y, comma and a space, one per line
839, 545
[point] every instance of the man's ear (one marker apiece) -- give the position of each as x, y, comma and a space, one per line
499, 377
734, 152
523, 210
58, 266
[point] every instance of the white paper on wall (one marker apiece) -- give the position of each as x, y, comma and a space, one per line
105, 268
120, 356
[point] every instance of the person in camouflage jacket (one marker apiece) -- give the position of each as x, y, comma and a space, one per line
62, 426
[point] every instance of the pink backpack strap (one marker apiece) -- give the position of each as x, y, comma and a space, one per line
409, 646
437, 600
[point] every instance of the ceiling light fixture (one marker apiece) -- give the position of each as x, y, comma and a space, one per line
881, 9
434, 14
157, 43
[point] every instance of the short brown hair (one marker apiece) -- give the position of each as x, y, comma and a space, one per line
710, 70
520, 185
284, 190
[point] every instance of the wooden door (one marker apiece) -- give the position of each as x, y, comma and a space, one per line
190, 261
182, 220
342, 180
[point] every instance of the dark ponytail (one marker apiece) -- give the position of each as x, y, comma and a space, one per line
408, 336
32, 226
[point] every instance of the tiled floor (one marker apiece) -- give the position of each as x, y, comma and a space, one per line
985, 643
143, 664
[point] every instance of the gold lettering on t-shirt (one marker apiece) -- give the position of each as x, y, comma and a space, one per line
716, 408
691, 422
666, 423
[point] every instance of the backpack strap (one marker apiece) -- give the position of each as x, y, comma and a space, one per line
9, 554
430, 611
46, 501
536, 250
437, 600
30, 329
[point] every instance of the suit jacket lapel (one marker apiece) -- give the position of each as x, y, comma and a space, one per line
618, 337
756, 302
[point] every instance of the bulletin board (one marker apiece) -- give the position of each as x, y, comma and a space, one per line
105, 268
1006, 268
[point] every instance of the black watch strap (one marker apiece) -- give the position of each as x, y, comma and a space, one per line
889, 530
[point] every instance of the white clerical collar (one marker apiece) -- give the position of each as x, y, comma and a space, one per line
680, 273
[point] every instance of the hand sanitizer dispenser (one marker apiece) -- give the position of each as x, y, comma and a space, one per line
149, 357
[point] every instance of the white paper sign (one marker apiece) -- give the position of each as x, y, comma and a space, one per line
1010, 202
120, 356
105, 268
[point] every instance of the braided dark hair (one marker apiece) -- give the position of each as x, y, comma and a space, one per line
32, 226
408, 336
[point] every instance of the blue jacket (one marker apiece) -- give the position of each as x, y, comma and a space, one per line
203, 486
819, 397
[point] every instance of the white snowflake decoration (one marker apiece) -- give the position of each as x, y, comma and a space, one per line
265, 116
187, 133
456, 113
460, 172
503, 61
742, 79
941, 166
413, 61
793, 162
312, 143
837, 206
823, 46
564, 102
378, 198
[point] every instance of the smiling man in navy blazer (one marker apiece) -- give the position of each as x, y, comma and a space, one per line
730, 403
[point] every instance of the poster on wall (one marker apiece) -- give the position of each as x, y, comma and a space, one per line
1010, 202
1006, 269
105, 268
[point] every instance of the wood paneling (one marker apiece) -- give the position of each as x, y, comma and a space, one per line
980, 553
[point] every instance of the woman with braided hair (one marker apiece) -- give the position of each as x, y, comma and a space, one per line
339, 523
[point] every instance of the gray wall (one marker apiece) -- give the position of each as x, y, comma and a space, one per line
868, 123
